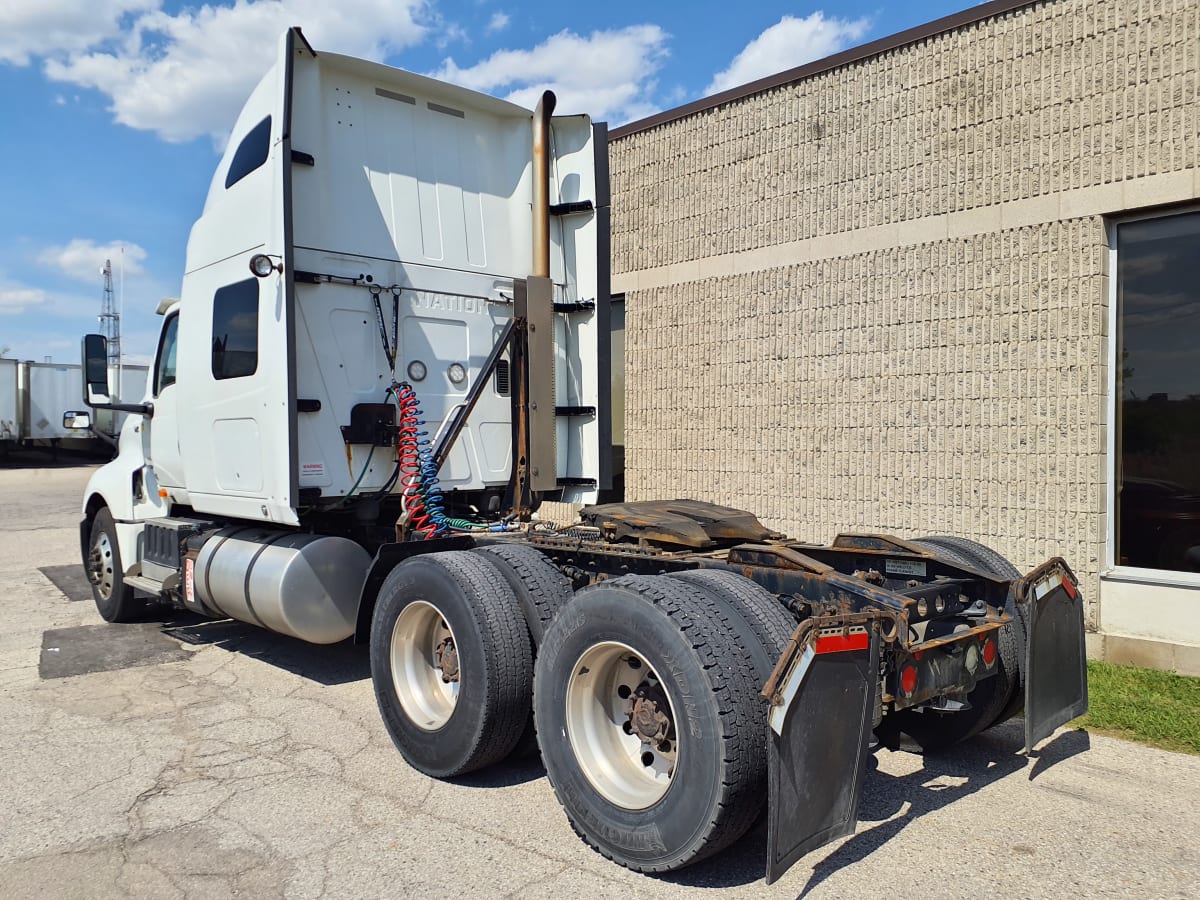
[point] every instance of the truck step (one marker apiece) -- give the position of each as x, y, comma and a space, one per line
144, 584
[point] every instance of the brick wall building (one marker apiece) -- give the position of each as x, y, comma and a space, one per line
884, 292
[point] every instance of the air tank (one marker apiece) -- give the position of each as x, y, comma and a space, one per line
303, 585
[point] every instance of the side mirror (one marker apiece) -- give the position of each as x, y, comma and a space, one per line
75, 420
95, 370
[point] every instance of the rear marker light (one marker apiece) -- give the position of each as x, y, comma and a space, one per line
908, 679
972, 658
989, 652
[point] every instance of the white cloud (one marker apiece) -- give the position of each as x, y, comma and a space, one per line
186, 75
82, 259
606, 74
30, 28
14, 301
449, 33
498, 22
788, 43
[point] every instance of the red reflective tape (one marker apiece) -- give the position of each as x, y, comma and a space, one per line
1072, 592
837, 643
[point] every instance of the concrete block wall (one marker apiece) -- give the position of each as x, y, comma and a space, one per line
1053, 97
878, 298
948, 388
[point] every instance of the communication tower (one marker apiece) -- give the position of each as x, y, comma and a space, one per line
110, 319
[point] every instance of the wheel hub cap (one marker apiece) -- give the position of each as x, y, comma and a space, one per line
100, 565
447, 658
620, 726
645, 715
425, 665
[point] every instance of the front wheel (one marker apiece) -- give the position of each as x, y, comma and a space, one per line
115, 600
646, 713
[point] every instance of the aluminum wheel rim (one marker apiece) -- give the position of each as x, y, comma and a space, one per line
622, 764
101, 565
418, 677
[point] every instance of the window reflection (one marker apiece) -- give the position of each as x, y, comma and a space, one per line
1158, 382
235, 330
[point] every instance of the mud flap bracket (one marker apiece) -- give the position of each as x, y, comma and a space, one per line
824, 695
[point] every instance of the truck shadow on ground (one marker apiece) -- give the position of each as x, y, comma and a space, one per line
331, 664
520, 768
895, 802
46, 458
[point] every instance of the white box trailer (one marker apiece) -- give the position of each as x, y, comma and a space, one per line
34, 397
51, 389
130, 384
9, 406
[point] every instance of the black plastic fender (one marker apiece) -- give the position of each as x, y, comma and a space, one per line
387, 557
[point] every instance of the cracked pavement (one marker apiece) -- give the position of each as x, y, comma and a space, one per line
256, 765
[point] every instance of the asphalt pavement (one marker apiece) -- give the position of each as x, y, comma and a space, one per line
183, 758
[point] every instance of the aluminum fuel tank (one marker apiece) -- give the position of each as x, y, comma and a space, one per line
303, 585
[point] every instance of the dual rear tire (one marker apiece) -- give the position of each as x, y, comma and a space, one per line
649, 722
451, 663
644, 691
995, 699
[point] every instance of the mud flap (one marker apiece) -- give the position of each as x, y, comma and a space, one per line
1055, 658
824, 698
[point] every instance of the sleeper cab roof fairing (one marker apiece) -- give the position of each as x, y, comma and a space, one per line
398, 80
262, 100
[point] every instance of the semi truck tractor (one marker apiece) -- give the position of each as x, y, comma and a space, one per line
390, 349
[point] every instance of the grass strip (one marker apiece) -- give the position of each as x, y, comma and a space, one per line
1145, 705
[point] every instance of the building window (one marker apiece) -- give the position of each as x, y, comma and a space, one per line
1157, 373
235, 330
251, 153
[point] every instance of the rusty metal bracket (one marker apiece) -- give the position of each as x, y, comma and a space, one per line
806, 634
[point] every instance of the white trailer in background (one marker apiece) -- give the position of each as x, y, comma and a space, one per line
34, 397
9, 421
50, 390
129, 381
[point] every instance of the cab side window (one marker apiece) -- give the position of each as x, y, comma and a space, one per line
251, 153
164, 369
235, 330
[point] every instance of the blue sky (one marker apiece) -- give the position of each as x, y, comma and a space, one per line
115, 111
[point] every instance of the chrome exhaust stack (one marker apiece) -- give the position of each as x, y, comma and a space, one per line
535, 456
541, 185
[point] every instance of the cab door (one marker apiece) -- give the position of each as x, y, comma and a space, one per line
160, 432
